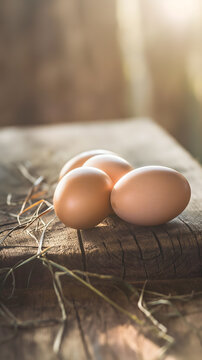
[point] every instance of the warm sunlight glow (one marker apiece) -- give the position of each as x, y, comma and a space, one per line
179, 12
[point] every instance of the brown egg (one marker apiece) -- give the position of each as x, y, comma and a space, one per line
151, 195
82, 198
113, 165
79, 160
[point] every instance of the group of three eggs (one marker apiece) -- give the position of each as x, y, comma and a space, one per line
97, 183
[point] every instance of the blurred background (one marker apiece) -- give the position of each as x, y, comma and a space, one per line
75, 60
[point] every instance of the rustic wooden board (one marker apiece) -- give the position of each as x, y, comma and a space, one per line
173, 250
94, 330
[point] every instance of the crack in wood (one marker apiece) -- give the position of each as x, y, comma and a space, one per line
81, 332
137, 243
140, 251
109, 254
179, 242
159, 244
107, 251
83, 254
122, 260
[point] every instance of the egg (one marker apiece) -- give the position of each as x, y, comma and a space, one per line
151, 195
82, 197
79, 160
112, 165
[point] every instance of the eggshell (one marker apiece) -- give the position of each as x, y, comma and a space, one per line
151, 195
82, 198
79, 160
112, 165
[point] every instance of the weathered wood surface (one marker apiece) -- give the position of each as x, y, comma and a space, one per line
94, 330
173, 250
135, 253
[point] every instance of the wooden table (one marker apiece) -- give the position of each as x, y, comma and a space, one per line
168, 257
